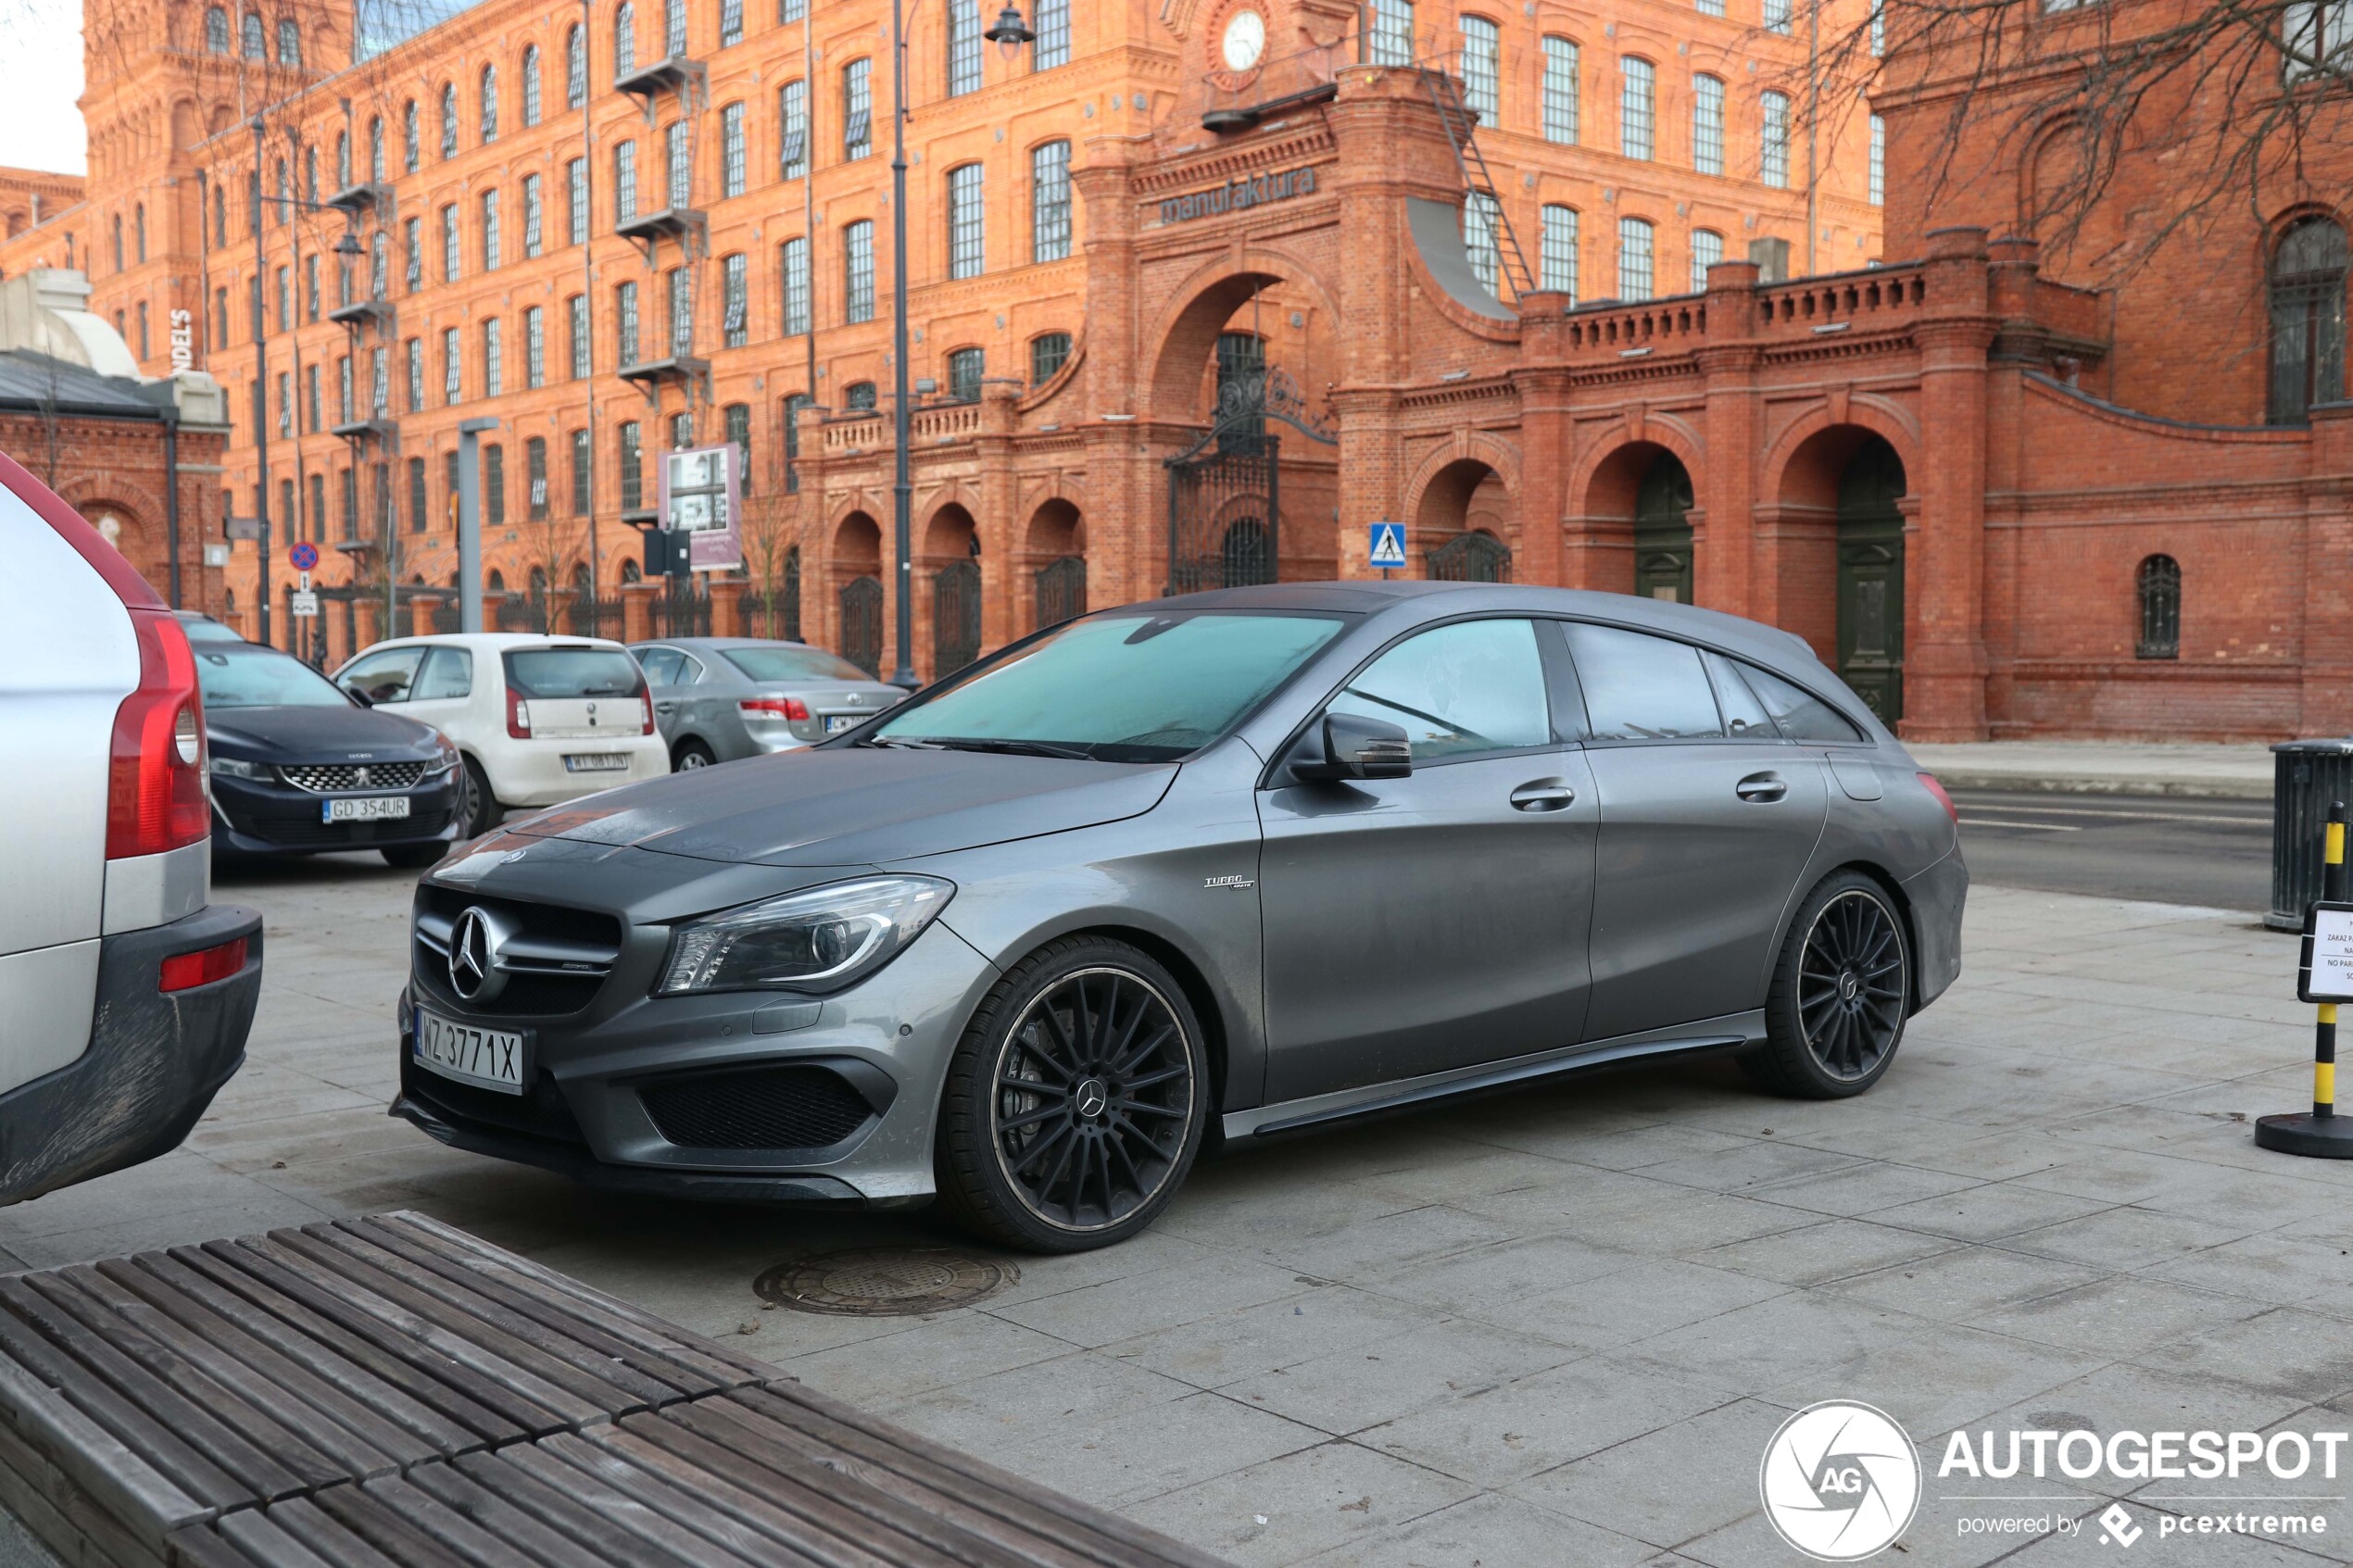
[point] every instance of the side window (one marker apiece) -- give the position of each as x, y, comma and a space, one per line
1639, 687
384, 677
1458, 691
689, 670
1801, 714
661, 666
1744, 717
448, 674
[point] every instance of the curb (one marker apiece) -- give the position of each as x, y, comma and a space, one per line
2181, 788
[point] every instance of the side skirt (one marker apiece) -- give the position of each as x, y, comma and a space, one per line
1707, 1037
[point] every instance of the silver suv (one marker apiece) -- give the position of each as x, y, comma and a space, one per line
124, 998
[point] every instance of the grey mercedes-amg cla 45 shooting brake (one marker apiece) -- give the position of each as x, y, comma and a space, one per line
1210, 868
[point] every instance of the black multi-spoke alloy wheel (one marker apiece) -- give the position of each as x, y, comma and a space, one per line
1841, 988
1075, 1102
476, 805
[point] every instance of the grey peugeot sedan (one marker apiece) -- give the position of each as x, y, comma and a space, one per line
1206, 869
718, 699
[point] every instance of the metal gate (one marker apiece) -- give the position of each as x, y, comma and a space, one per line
1224, 493
682, 609
862, 624
1062, 591
1470, 558
955, 616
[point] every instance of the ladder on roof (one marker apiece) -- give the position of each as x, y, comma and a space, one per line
1462, 125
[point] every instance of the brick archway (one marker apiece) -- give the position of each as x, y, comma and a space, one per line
1181, 341
1598, 549
1471, 485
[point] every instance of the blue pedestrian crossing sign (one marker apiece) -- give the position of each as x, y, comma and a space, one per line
1388, 544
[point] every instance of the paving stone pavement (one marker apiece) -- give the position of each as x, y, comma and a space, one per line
1552, 1327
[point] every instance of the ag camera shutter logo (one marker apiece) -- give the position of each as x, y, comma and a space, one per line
1840, 1481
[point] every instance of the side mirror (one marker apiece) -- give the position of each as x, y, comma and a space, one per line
356, 694
1356, 747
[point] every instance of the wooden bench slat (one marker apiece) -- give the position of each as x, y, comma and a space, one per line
600, 1366
704, 1514
254, 1473
422, 1352
589, 1488
545, 1537
740, 1366
575, 1395
198, 1547
178, 1461
387, 1529
674, 1363
448, 1529
259, 1540
851, 1497
330, 1421
294, 1357
323, 1533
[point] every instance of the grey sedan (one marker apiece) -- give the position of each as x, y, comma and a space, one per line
720, 699
1212, 868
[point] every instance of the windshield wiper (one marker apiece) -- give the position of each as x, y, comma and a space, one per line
899, 743
1017, 747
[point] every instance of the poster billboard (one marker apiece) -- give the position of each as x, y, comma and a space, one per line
701, 496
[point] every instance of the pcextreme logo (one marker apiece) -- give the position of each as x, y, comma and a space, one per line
1840, 1481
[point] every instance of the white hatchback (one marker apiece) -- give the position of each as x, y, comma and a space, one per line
539, 720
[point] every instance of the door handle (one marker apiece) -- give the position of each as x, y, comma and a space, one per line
1762, 787
665, 707
1543, 794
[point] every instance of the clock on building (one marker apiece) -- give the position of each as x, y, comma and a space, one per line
1245, 40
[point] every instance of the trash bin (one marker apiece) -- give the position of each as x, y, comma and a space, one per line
2305, 776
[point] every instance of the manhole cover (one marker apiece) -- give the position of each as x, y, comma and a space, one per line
884, 1282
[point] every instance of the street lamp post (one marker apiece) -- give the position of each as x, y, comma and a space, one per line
1009, 35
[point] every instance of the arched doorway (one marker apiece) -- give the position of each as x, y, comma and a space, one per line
858, 592
1057, 561
1463, 520
951, 552
1662, 531
1870, 578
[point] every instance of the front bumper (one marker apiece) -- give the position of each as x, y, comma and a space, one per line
153, 1062
257, 816
595, 1081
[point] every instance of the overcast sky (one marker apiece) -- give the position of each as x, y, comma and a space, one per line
39, 127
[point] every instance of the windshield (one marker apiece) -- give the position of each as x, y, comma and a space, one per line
788, 663
259, 677
581, 672
202, 628
1119, 687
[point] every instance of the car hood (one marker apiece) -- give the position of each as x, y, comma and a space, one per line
319, 734
856, 806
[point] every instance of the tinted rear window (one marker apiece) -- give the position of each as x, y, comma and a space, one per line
1801, 714
574, 672
793, 664
1641, 687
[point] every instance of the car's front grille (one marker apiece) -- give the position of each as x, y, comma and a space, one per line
553, 958
307, 832
542, 1113
340, 778
792, 1105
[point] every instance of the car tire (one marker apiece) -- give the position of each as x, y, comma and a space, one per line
689, 755
1123, 1084
412, 856
477, 806
1842, 989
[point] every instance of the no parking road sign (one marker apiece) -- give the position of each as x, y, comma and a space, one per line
1388, 545
304, 555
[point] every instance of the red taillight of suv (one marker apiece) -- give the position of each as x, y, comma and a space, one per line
790, 708
154, 779
184, 972
518, 716
1928, 780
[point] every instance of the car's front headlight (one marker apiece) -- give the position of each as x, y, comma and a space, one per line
235, 769
443, 760
819, 939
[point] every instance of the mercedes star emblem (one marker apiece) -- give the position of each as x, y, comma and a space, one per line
474, 973
1092, 1098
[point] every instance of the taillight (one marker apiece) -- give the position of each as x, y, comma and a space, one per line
790, 708
1929, 781
518, 716
648, 698
183, 972
156, 775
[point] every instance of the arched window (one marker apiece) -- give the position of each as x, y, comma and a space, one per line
139, 224
2160, 591
216, 31
489, 104
220, 215
376, 150
625, 39
408, 138
310, 174
531, 84
118, 242
575, 69
289, 42
252, 40
450, 120
2308, 319
673, 30
342, 159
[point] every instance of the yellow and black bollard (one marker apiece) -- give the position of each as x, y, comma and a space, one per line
2324, 978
